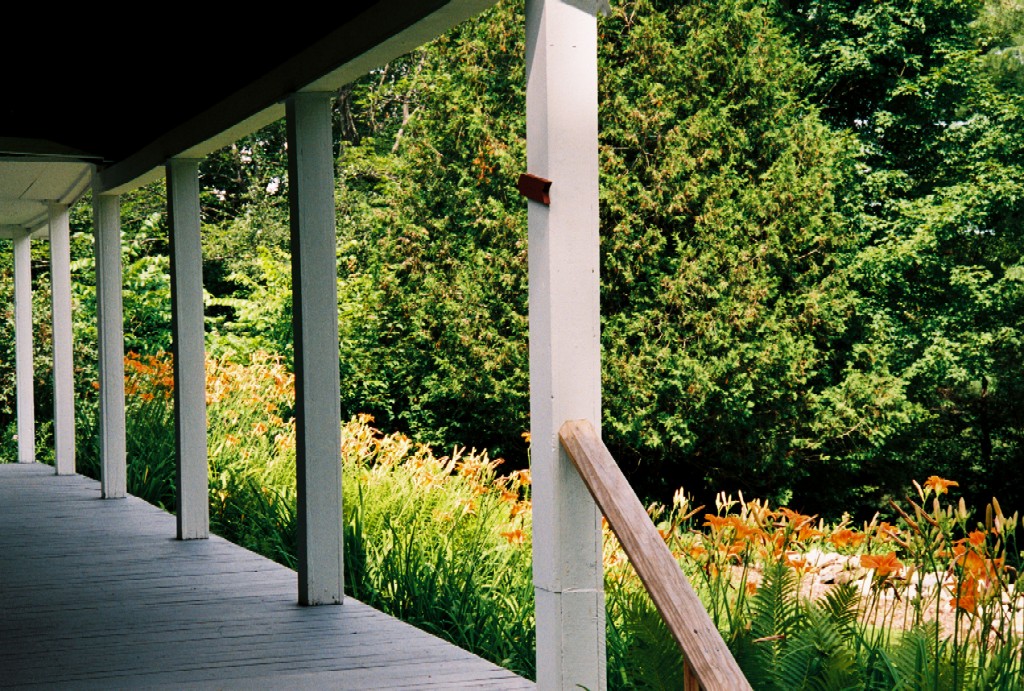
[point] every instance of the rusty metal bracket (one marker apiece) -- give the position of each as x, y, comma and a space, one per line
535, 188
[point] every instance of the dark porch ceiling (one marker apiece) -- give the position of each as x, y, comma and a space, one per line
128, 91
108, 86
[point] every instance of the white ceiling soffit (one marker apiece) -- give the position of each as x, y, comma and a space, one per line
261, 103
28, 187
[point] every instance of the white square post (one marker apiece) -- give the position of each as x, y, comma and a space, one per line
63, 357
110, 317
565, 362
24, 370
317, 379
189, 348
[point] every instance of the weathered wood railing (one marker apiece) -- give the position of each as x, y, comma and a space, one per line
708, 664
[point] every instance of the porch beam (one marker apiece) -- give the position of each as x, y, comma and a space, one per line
24, 374
315, 310
110, 317
188, 346
63, 357
565, 366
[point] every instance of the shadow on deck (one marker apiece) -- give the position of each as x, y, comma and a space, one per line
99, 594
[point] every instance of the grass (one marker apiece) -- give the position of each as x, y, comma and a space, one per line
444, 543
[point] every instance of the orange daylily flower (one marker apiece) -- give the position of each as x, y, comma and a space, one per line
697, 551
737, 548
966, 602
521, 507
974, 564
939, 485
846, 538
777, 541
883, 564
747, 532
807, 533
794, 518
966, 596
798, 563
717, 522
516, 537
887, 532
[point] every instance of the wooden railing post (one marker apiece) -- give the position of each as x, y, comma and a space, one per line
710, 664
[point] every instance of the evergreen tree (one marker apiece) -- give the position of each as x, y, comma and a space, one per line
932, 91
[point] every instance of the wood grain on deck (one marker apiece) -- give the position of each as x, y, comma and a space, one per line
98, 594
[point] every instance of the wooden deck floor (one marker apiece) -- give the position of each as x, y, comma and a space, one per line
99, 594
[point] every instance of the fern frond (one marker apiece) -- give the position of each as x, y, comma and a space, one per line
842, 605
775, 609
818, 657
916, 659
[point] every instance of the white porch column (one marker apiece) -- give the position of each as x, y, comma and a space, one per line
189, 350
565, 367
23, 366
107, 241
315, 310
63, 358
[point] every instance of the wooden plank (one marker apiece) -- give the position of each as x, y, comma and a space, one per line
210, 654
100, 595
408, 675
703, 649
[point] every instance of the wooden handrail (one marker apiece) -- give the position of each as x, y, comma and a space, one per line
707, 659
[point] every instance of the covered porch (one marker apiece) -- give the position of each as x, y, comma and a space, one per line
117, 593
